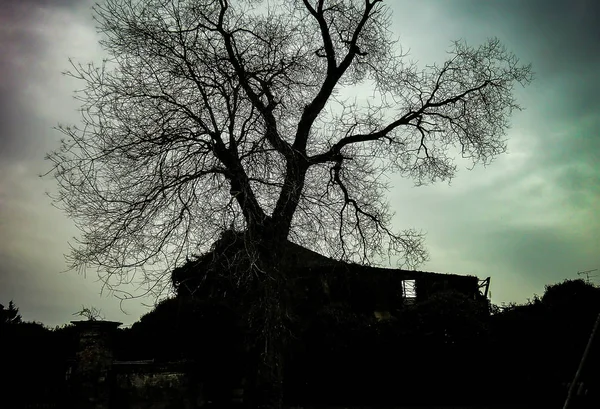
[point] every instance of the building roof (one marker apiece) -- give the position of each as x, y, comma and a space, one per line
307, 265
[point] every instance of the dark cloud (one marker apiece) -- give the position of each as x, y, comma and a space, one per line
18, 46
25, 5
563, 32
561, 38
25, 39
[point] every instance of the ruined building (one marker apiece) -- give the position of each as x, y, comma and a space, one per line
316, 280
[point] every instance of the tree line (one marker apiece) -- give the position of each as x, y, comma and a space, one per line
445, 350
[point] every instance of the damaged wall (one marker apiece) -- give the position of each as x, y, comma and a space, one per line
99, 382
150, 386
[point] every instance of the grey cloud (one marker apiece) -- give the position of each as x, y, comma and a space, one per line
571, 158
564, 32
25, 40
24, 5
562, 40
18, 48
33, 239
560, 37
544, 254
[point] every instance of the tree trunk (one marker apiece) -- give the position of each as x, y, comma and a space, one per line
268, 321
269, 380
266, 372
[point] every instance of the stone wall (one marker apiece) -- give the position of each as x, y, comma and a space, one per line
152, 386
99, 382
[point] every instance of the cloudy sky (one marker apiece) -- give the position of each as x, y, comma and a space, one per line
529, 219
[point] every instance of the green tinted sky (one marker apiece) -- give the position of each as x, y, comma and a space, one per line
529, 219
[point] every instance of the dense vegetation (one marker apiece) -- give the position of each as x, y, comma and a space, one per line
33, 359
448, 349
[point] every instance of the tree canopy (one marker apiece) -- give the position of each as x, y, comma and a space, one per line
214, 114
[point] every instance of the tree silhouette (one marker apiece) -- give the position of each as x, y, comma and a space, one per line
209, 114
10, 315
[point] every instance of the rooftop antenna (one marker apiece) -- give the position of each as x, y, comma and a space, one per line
587, 274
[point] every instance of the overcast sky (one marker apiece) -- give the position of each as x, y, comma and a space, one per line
529, 219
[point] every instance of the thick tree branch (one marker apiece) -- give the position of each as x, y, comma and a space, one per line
271, 132
314, 108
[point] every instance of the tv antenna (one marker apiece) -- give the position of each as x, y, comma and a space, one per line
587, 274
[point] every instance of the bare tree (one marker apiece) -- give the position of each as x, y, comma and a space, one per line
90, 313
210, 114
